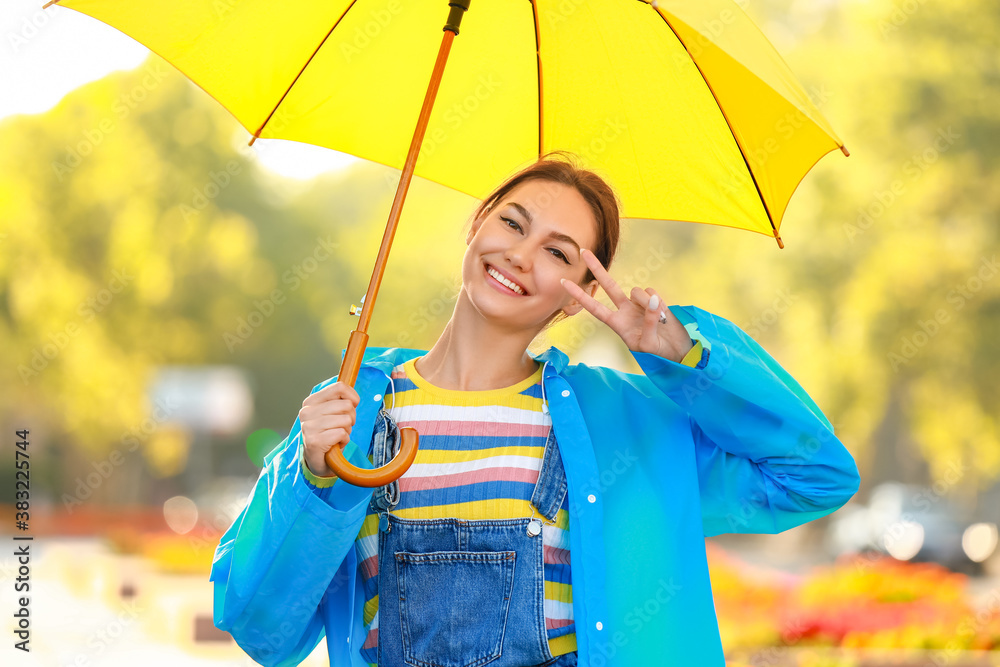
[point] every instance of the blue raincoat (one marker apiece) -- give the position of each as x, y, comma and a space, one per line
654, 462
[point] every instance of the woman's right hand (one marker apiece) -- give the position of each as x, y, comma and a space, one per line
326, 419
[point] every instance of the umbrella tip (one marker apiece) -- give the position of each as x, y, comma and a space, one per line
845, 151
50, 2
781, 245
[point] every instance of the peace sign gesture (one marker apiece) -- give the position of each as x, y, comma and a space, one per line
644, 322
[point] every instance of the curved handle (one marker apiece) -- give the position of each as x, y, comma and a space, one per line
408, 436
379, 476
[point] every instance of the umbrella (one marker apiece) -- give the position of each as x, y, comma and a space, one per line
688, 109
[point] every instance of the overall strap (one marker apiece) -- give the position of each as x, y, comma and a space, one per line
550, 489
385, 445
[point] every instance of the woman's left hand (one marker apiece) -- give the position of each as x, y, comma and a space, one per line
637, 319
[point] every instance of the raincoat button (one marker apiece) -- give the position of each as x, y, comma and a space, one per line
600, 626
378, 397
592, 498
565, 392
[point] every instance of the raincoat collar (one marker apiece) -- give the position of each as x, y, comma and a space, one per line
386, 358
555, 357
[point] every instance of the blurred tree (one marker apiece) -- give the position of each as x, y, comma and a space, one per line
137, 232
138, 229
892, 252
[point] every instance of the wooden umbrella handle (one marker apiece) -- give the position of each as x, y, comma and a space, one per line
387, 474
409, 438
359, 337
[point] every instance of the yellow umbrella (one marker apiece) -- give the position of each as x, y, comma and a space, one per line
683, 105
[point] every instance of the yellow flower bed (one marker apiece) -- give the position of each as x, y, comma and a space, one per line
858, 602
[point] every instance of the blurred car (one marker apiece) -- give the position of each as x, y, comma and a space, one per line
910, 522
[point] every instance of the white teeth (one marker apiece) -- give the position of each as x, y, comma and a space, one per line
503, 280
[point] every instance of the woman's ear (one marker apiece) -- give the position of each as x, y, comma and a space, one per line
476, 224
574, 306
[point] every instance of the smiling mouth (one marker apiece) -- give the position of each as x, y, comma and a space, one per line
497, 282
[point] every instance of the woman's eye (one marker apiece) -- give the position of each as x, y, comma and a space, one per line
509, 221
555, 252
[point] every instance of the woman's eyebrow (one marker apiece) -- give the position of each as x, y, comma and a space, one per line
555, 235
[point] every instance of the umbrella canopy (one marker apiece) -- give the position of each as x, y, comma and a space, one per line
683, 105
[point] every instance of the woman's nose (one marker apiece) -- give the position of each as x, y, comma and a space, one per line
517, 255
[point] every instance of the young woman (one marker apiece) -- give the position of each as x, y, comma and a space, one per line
556, 513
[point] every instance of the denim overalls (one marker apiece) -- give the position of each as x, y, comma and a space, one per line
461, 593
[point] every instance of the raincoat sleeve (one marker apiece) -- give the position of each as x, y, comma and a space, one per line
767, 457
280, 561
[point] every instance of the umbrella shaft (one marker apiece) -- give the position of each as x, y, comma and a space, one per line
356, 346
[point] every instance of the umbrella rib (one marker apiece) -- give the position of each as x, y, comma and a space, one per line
260, 129
538, 55
760, 195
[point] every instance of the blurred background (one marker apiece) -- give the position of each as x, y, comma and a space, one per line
169, 296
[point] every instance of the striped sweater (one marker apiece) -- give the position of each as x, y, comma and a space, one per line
479, 457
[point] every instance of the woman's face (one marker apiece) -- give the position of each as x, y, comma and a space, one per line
532, 237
